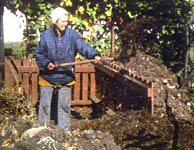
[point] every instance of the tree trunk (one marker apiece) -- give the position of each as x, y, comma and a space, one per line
1, 32
187, 52
1, 41
185, 81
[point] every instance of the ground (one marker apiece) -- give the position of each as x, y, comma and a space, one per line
171, 127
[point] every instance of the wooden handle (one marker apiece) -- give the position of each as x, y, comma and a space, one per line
76, 63
81, 62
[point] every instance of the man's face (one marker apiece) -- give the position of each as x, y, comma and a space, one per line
62, 22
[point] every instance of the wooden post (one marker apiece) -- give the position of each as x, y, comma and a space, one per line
85, 86
26, 80
76, 90
92, 85
34, 88
150, 97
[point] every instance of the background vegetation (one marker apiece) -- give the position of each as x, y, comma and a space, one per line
163, 29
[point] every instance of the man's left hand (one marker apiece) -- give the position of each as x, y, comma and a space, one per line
97, 59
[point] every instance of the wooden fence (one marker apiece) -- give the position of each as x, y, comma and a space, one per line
23, 74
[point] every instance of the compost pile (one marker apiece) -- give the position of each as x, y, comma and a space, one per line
168, 98
171, 127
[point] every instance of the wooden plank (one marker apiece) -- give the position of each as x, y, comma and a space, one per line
12, 78
81, 102
92, 85
76, 87
9, 79
85, 86
16, 62
27, 69
25, 84
34, 90
84, 68
33, 63
96, 100
26, 80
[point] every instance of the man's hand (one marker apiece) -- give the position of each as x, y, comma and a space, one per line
51, 66
97, 59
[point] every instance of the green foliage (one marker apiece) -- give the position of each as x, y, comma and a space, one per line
16, 49
8, 51
155, 26
192, 54
164, 36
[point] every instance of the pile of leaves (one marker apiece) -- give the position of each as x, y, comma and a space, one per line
13, 104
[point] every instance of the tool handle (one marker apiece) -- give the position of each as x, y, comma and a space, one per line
76, 63
80, 62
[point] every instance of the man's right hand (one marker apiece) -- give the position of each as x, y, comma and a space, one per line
51, 66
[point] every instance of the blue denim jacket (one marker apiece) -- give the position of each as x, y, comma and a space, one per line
60, 50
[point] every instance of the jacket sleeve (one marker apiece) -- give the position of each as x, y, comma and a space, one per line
83, 48
41, 55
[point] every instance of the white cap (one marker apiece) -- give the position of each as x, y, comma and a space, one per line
58, 13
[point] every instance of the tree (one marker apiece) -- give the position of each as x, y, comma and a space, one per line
1, 40
189, 55
1, 32
154, 26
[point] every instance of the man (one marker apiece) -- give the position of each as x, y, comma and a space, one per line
59, 44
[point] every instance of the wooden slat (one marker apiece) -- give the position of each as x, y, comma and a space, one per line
76, 93
85, 86
16, 62
34, 89
92, 85
33, 63
27, 69
81, 102
84, 68
10, 75
26, 80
